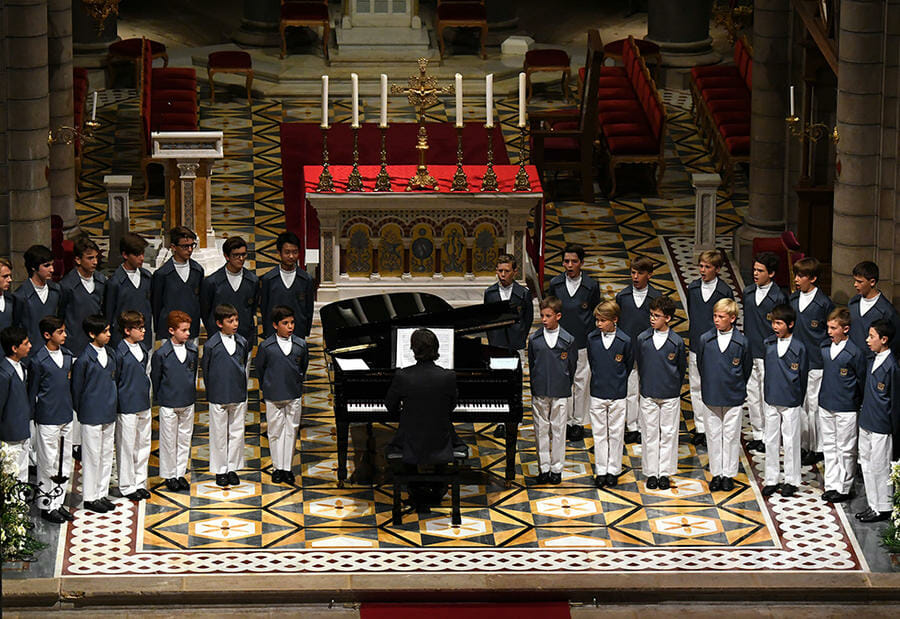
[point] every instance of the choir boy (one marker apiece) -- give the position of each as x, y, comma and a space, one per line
281, 362
289, 285
702, 295
879, 422
552, 359
173, 375
9, 315
233, 285
81, 293
843, 379
660, 355
39, 295
634, 301
95, 402
128, 289
175, 286
611, 359
784, 387
134, 420
869, 305
15, 405
724, 362
224, 364
50, 391
579, 295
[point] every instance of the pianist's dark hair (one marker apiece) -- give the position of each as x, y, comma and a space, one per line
424, 345
280, 312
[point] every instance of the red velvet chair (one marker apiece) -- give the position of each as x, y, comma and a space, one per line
310, 14
131, 51
555, 60
787, 248
461, 14
230, 62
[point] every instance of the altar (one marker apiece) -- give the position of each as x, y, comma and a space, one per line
443, 242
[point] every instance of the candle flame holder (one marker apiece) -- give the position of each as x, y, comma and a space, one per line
354, 181
65, 134
326, 180
460, 182
489, 182
523, 183
383, 180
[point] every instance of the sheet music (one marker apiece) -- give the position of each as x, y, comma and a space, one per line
405, 356
504, 363
352, 364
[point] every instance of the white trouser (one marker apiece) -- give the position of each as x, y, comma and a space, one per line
49, 438
549, 416
31, 452
226, 437
723, 439
659, 436
19, 451
875, 460
608, 428
755, 399
809, 428
176, 426
696, 397
97, 447
76, 431
632, 408
838, 432
782, 422
282, 421
133, 450
577, 405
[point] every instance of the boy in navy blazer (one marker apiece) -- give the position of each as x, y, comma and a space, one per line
15, 405
173, 374
8, 312
611, 359
287, 284
760, 298
175, 286
95, 402
133, 423
128, 289
784, 389
634, 302
81, 292
552, 357
39, 295
281, 363
224, 364
879, 422
233, 285
843, 378
660, 355
50, 391
869, 305
702, 295
724, 362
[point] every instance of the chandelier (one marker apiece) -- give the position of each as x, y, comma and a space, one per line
100, 10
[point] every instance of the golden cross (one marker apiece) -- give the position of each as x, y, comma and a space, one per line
423, 89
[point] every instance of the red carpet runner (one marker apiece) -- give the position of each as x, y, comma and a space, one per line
538, 610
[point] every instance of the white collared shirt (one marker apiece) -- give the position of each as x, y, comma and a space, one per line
57, 356
761, 292
134, 277
572, 284
88, 283
234, 279
639, 295
551, 336
659, 338
180, 351
505, 292
806, 298
183, 269
287, 277
136, 351
2, 302
42, 291
285, 344
835, 349
866, 304
228, 342
608, 338
724, 339
102, 357
783, 344
879, 359
708, 288
17, 366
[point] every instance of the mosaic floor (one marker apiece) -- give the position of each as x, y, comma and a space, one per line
318, 527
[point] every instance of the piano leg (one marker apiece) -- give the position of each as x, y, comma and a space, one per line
456, 516
343, 431
512, 438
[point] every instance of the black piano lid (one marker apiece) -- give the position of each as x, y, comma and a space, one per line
367, 320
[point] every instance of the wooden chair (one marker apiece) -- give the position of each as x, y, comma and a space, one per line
132, 51
238, 62
553, 60
564, 139
461, 14
311, 14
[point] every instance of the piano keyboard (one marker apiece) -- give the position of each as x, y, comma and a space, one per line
373, 407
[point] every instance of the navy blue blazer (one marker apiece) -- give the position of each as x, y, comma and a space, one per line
49, 388
281, 376
33, 310
700, 312
94, 387
174, 383
758, 318
300, 297
811, 325
843, 378
634, 320
609, 366
225, 375
552, 369
168, 293
76, 304
15, 405
10, 314
859, 325
131, 379
513, 337
724, 375
880, 410
577, 311
784, 383
661, 372
121, 295
215, 290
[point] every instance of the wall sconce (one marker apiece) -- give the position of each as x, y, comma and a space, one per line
67, 135
812, 131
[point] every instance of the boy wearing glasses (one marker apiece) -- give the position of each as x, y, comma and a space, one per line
175, 286
128, 289
233, 285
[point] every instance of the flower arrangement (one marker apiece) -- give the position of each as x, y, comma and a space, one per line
891, 536
16, 541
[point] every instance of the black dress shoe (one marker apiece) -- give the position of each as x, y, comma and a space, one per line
874, 516
543, 477
172, 485
574, 433
820, 457
715, 484
788, 490
554, 478
65, 513
770, 490
183, 484
233, 479
652, 482
632, 436
52, 516
864, 513
600, 481
828, 495
664, 483
699, 438
757, 446
611, 480
221, 480
807, 458
109, 505
287, 477
727, 484
144, 493
133, 496
840, 497
76, 452
276, 476
500, 431
95, 506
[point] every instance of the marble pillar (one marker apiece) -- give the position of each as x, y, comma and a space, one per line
89, 44
681, 29
259, 24
892, 113
62, 156
4, 163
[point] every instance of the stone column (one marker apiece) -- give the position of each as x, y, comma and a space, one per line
28, 119
706, 187
892, 109
62, 156
90, 45
259, 24
681, 29
4, 164
119, 214
768, 134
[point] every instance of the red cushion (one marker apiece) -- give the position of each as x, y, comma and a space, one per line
462, 12
734, 105
621, 129
716, 70
633, 145
617, 93
304, 11
546, 58
731, 130
738, 145
615, 82
644, 47
720, 81
716, 94
632, 106
612, 72
229, 60
132, 48
730, 116
614, 117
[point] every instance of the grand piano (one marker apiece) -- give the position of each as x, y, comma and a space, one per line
362, 328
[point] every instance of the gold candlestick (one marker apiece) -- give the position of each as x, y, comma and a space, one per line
354, 181
523, 183
383, 180
489, 183
326, 181
460, 182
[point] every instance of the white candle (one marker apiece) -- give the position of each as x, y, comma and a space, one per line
489, 100
792, 101
521, 99
324, 101
383, 100
94, 110
354, 88
459, 111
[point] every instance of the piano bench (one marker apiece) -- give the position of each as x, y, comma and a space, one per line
446, 474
